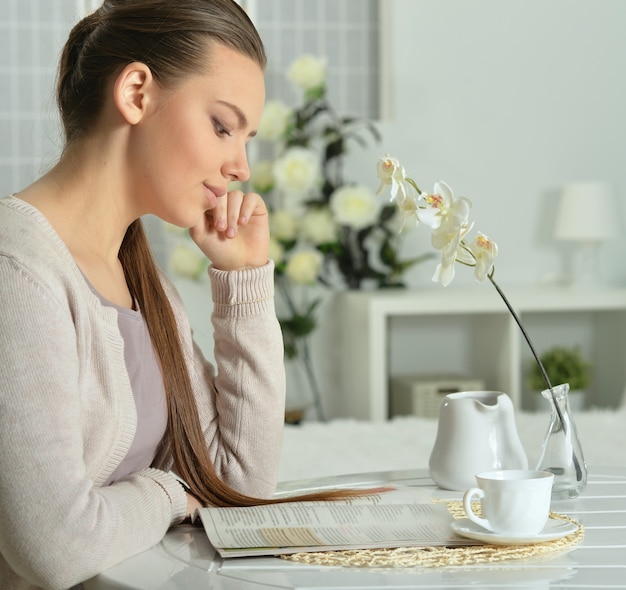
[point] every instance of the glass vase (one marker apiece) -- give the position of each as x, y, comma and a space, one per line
299, 395
561, 452
303, 392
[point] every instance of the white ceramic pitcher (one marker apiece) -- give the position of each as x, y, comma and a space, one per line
476, 432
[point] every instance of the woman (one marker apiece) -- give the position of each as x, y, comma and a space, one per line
102, 392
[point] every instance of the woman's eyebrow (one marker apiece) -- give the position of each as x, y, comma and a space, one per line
241, 117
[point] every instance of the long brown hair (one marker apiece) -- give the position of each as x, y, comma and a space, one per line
171, 37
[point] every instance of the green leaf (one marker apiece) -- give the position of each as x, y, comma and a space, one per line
388, 253
387, 213
563, 365
334, 149
315, 93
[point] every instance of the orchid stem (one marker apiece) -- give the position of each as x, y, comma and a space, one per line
532, 348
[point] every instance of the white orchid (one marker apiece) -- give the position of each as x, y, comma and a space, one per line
304, 266
355, 206
448, 218
484, 251
297, 171
391, 173
308, 72
451, 252
275, 120
441, 211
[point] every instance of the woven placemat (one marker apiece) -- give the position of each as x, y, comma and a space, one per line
440, 556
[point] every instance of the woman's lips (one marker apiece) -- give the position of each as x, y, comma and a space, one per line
211, 196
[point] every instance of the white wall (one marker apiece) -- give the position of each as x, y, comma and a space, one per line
506, 100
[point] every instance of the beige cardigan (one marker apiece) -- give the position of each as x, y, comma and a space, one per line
67, 415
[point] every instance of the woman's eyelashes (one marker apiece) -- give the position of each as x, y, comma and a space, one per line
220, 129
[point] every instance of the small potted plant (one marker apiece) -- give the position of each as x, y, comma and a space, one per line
563, 365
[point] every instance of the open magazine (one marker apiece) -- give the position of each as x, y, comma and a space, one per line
405, 517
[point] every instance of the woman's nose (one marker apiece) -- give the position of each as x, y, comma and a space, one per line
237, 168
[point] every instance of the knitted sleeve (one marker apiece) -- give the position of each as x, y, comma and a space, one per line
60, 416
241, 405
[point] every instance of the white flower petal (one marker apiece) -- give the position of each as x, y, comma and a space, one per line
284, 225
444, 274
308, 72
297, 171
304, 266
355, 206
275, 120
319, 227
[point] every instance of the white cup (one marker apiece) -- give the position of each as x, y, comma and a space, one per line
514, 502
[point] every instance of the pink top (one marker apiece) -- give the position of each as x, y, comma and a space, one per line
146, 382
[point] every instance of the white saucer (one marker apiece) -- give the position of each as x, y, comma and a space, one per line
555, 529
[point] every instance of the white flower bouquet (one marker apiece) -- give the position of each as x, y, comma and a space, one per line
324, 230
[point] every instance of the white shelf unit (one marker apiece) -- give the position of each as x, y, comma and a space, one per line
470, 330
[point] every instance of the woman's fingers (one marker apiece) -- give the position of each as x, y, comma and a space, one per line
220, 213
233, 210
252, 204
234, 202
235, 233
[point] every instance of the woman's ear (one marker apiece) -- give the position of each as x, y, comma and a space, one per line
132, 91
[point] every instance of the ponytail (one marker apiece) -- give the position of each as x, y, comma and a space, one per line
75, 102
184, 436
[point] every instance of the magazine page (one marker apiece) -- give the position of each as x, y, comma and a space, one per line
404, 517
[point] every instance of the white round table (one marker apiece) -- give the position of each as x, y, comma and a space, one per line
185, 560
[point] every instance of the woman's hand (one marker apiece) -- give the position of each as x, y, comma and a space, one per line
235, 234
192, 505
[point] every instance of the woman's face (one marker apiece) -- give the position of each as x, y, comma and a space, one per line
193, 143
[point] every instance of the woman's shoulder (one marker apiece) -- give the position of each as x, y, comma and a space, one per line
31, 248
24, 226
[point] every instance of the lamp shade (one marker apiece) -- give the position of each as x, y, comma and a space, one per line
587, 213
